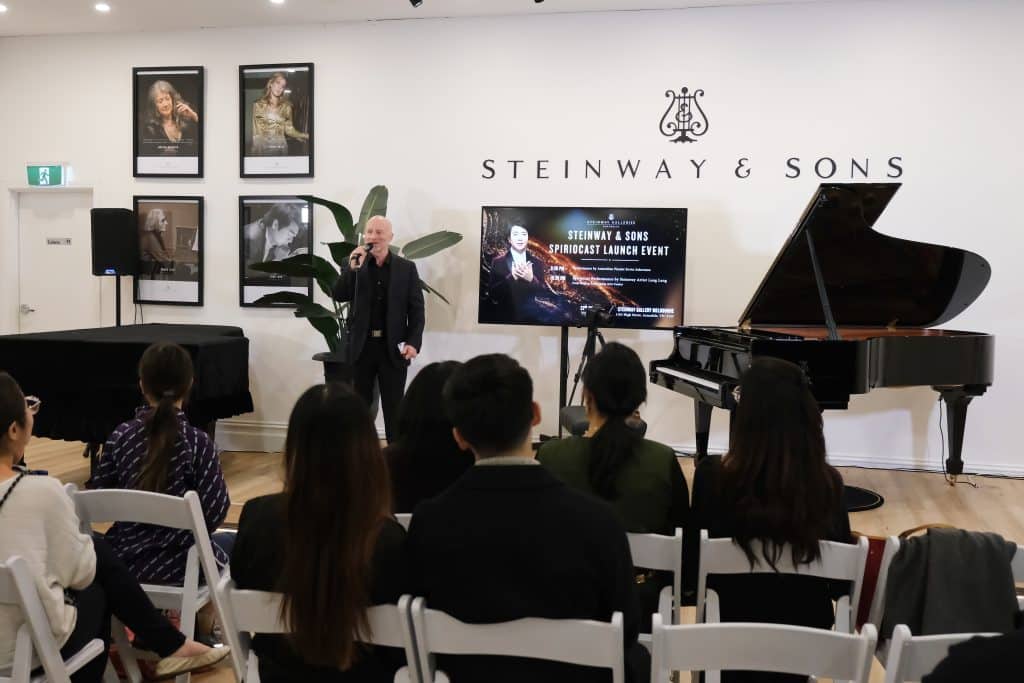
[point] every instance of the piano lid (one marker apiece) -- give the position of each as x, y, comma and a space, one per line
870, 278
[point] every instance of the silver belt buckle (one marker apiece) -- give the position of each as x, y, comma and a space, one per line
376, 334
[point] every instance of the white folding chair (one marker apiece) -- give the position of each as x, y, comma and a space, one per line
763, 647
892, 546
912, 657
575, 641
35, 637
1018, 572
838, 561
249, 612
663, 553
146, 507
404, 518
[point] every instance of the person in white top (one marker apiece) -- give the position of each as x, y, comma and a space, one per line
81, 581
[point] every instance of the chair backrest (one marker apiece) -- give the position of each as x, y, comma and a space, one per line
763, 647
839, 561
892, 546
664, 553
404, 518
574, 641
913, 657
250, 611
1018, 565
18, 589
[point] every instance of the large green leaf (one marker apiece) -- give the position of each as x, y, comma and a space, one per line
325, 273
342, 216
283, 298
427, 288
375, 204
428, 245
340, 251
309, 309
328, 327
295, 266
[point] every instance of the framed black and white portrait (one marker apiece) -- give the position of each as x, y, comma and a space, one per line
168, 120
170, 233
272, 229
276, 120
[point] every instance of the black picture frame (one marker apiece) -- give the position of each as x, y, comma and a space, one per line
154, 154
169, 226
252, 246
271, 151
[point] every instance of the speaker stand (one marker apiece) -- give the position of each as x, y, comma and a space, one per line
117, 301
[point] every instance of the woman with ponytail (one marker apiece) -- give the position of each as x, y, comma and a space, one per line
160, 451
640, 478
328, 543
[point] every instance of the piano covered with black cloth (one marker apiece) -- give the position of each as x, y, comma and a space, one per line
88, 379
855, 309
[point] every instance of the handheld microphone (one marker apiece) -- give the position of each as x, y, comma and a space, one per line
360, 257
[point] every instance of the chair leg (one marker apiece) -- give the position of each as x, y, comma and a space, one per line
125, 651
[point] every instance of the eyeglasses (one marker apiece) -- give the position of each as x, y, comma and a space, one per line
33, 403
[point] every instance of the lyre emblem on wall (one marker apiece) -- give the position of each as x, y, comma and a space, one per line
684, 120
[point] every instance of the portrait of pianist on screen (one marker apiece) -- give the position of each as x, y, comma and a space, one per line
517, 277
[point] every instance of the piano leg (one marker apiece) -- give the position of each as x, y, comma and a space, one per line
702, 420
956, 400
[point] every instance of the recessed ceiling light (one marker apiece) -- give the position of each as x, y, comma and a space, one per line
3, 8
277, 2
102, 7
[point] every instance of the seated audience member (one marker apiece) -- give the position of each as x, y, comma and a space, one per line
81, 581
508, 540
775, 487
640, 478
158, 450
424, 460
328, 543
999, 658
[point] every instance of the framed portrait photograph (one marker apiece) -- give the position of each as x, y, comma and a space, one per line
168, 118
272, 229
276, 120
170, 251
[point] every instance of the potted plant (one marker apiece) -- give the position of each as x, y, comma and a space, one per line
332, 323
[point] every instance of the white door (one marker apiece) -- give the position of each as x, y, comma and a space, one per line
56, 287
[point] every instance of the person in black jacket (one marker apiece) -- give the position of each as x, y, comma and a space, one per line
998, 658
773, 486
517, 278
328, 543
508, 540
388, 319
424, 460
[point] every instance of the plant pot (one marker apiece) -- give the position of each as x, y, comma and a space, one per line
337, 369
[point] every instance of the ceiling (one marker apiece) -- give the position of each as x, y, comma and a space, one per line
43, 17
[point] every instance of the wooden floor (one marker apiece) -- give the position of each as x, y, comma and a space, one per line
911, 498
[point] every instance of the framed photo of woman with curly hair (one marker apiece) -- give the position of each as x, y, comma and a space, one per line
168, 122
276, 120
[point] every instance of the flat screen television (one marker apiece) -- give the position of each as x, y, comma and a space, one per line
623, 267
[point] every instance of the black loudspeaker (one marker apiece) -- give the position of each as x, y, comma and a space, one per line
115, 242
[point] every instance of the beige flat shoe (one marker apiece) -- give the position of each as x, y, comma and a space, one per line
169, 667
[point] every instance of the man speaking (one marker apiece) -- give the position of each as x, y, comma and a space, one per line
386, 320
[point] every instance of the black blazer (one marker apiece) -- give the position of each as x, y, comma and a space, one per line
511, 541
405, 318
255, 565
512, 299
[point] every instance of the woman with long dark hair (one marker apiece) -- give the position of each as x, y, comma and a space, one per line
773, 486
160, 451
639, 477
328, 543
80, 580
424, 460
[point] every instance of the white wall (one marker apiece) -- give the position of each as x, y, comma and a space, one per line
418, 105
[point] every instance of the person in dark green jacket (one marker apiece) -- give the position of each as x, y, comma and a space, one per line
640, 478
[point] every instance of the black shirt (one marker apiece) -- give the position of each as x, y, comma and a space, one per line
256, 564
380, 278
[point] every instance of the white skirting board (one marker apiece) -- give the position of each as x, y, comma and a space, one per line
239, 435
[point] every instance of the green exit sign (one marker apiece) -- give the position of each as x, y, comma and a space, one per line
44, 175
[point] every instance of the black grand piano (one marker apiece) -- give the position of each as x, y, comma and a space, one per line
855, 309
